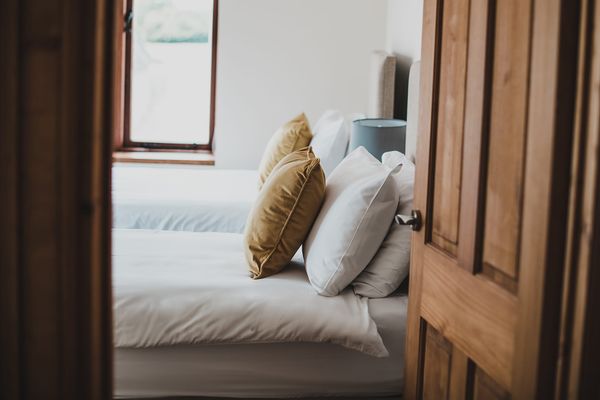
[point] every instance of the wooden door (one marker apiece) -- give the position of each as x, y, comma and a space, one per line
493, 158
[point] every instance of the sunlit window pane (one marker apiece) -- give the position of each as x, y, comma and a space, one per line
171, 71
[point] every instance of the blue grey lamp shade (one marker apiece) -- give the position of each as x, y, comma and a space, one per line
378, 135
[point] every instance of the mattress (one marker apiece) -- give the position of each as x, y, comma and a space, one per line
284, 370
182, 198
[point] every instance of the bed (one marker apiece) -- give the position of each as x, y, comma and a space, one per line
166, 350
182, 198
190, 322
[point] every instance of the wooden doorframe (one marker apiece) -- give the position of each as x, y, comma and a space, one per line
579, 352
55, 155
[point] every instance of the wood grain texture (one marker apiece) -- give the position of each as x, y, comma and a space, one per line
546, 195
55, 120
460, 375
156, 157
422, 199
490, 309
477, 109
499, 277
485, 388
118, 72
507, 134
476, 315
584, 380
10, 307
580, 328
436, 366
38, 264
449, 130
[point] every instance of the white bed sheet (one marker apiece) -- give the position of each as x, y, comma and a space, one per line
182, 199
174, 288
269, 370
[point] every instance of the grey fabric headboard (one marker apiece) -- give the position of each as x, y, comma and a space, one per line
383, 81
412, 112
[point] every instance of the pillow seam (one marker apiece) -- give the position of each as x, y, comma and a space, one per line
315, 162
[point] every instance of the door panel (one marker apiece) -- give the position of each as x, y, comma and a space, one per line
449, 374
506, 135
446, 195
484, 388
437, 365
458, 303
464, 300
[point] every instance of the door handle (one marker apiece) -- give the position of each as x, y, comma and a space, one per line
414, 220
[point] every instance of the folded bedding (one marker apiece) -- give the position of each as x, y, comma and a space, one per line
182, 199
175, 288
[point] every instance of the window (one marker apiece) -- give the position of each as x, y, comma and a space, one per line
169, 76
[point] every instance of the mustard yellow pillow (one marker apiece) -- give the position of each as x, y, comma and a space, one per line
290, 137
284, 212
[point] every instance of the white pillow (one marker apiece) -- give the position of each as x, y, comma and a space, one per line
361, 197
388, 269
330, 140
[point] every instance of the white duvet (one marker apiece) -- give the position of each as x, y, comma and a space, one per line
182, 199
184, 287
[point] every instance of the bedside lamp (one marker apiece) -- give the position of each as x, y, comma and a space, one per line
378, 135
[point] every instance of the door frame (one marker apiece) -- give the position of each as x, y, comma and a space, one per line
55, 160
579, 352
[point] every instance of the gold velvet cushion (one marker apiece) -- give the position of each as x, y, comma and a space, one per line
290, 137
284, 212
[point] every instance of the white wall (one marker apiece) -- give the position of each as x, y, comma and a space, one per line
404, 25
277, 58
403, 39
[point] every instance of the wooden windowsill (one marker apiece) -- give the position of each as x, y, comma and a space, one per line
165, 157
